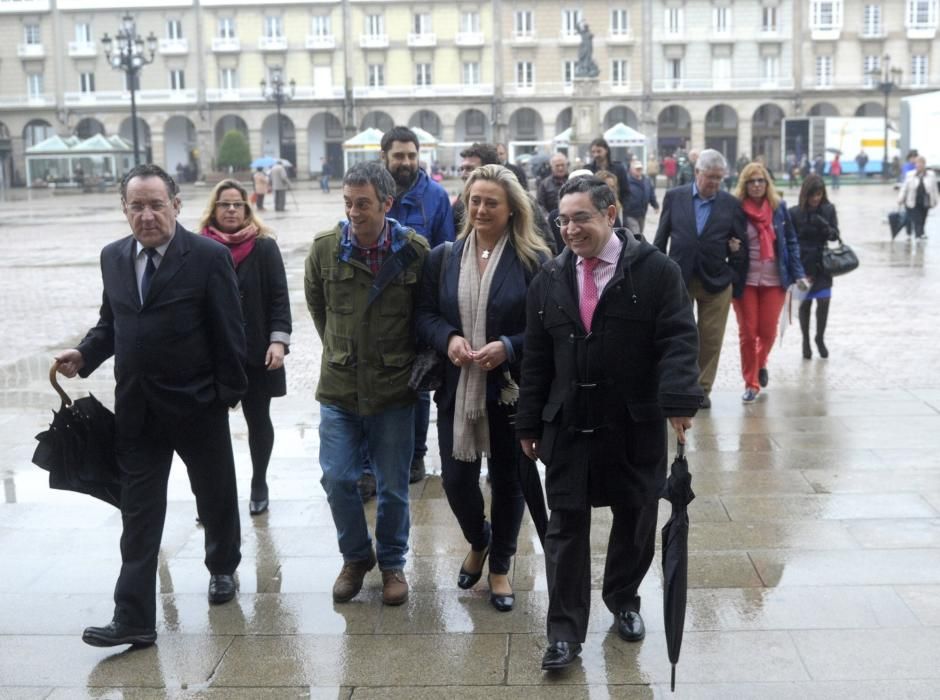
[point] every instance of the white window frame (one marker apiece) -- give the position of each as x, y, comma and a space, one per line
722, 70
567, 72
421, 23
525, 75
619, 21
826, 15
571, 19
871, 70
375, 75
872, 20
823, 71
83, 33
228, 78
619, 72
86, 83
770, 70
675, 71
34, 85
174, 29
321, 26
721, 20
375, 25
226, 28
177, 79
470, 22
273, 27
523, 24
470, 72
423, 75
921, 14
32, 34
674, 21
769, 19
920, 64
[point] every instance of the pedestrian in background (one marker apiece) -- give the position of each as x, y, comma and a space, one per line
861, 160
816, 224
472, 311
835, 171
260, 185
280, 183
601, 160
919, 195
325, 172
670, 168
642, 196
774, 264
262, 282
547, 196
706, 234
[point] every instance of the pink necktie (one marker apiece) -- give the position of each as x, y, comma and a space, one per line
588, 293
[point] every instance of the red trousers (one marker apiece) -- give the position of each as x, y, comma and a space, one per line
758, 312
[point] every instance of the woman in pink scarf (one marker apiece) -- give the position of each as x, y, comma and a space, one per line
230, 220
774, 264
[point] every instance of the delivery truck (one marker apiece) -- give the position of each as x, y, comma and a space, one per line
847, 136
920, 115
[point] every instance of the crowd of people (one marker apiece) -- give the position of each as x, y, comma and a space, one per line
560, 334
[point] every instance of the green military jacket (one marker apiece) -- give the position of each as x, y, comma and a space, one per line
368, 348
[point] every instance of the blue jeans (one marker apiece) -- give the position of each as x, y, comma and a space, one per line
325, 183
422, 420
390, 440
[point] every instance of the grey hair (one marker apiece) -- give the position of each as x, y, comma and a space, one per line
373, 173
710, 159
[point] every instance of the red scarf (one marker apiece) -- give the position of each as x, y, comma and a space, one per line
239, 244
761, 217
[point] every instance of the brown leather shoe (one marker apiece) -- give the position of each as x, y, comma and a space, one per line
394, 587
349, 582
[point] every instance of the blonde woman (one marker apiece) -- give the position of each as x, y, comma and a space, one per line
230, 220
472, 311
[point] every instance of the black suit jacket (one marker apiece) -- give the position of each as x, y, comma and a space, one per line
437, 316
182, 349
705, 256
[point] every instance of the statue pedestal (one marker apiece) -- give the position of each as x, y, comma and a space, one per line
585, 122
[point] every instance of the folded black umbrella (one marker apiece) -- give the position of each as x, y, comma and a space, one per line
534, 496
78, 448
675, 532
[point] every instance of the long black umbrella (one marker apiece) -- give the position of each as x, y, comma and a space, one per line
531, 484
78, 448
676, 555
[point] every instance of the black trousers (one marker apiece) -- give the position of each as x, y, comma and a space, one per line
568, 565
462, 486
256, 405
918, 217
204, 443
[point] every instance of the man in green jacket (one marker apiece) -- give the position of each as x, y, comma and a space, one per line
361, 282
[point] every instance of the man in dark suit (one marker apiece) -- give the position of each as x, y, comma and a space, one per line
610, 349
709, 242
171, 317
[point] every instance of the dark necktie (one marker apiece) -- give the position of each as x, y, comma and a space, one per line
148, 274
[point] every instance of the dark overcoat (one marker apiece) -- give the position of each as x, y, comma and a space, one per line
814, 230
597, 401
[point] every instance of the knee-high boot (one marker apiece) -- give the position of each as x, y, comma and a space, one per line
805, 309
822, 315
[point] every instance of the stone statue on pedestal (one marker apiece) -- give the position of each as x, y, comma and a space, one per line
585, 67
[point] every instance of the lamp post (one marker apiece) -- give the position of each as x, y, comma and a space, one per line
130, 57
276, 94
888, 79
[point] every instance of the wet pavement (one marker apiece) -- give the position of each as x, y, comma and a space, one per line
815, 540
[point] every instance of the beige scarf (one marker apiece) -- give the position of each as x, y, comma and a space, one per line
471, 427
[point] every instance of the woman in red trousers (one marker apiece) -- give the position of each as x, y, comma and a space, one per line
774, 264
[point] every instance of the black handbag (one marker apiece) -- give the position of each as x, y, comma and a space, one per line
839, 260
427, 372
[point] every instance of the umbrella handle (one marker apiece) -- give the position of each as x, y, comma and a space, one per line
680, 450
66, 401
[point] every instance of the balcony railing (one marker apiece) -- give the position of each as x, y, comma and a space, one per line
861, 82
373, 41
422, 40
619, 39
922, 30
470, 39
320, 42
226, 44
826, 32
709, 84
19, 101
569, 38
31, 51
120, 97
174, 47
482, 89
301, 92
272, 43
83, 49
523, 38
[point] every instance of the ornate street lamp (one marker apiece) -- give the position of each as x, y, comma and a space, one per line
130, 57
888, 79
276, 94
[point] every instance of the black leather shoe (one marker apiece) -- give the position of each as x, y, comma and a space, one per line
763, 376
560, 655
630, 626
468, 579
116, 633
259, 501
501, 601
221, 588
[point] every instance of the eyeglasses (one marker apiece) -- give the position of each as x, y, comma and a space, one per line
580, 219
230, 205
140, 208
756, 181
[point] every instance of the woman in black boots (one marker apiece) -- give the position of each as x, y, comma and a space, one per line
816, 224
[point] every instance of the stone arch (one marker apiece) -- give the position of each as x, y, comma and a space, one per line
721, 131
525, 124
674, 129
36, 131
563, 120
823, 109
618, 114
180, 144
227, 123
427, 120
88, 127
870, 109
144, 140
765, 135
377, 119
325, 140
287, 148
6, 157
471, 125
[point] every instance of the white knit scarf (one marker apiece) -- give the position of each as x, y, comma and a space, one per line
471, 427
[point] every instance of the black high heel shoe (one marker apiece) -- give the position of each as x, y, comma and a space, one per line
468, 579
258, 503
821, 346
501, 601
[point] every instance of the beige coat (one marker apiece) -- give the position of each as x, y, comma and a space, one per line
908, 193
